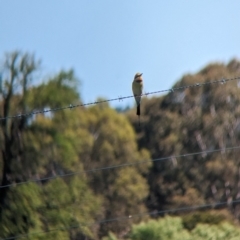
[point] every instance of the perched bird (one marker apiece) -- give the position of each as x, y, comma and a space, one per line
137, 87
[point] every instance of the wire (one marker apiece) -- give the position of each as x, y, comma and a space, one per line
122, 165
124, 218
223, 80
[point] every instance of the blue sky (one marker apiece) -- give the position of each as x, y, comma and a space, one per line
106, 42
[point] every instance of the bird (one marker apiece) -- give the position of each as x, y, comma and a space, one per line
137, 87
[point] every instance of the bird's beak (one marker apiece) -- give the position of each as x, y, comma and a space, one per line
141, 74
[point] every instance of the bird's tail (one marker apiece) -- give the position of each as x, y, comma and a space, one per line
138, 109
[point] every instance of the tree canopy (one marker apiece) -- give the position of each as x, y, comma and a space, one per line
192, 120
83, 173
38, 148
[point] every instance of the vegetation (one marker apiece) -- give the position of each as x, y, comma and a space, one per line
36, 202
194, 120
172, 228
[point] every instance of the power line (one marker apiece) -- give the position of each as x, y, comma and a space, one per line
125, 218
123, 165
222, 81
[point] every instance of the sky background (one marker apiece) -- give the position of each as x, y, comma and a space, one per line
106, 42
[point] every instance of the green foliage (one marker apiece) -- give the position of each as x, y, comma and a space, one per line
21, 215
219, 232
58, 91
70, 203
130, 185
168, 228
109, 140
173, 228
69, 142
209, 217
44, 149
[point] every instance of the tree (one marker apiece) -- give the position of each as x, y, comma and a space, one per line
218, 232
18, 70
168, 228
193, 120
20, 215
35, 148
105, 138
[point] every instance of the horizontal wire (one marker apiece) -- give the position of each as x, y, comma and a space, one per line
122, 165
124, 218
223, 80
